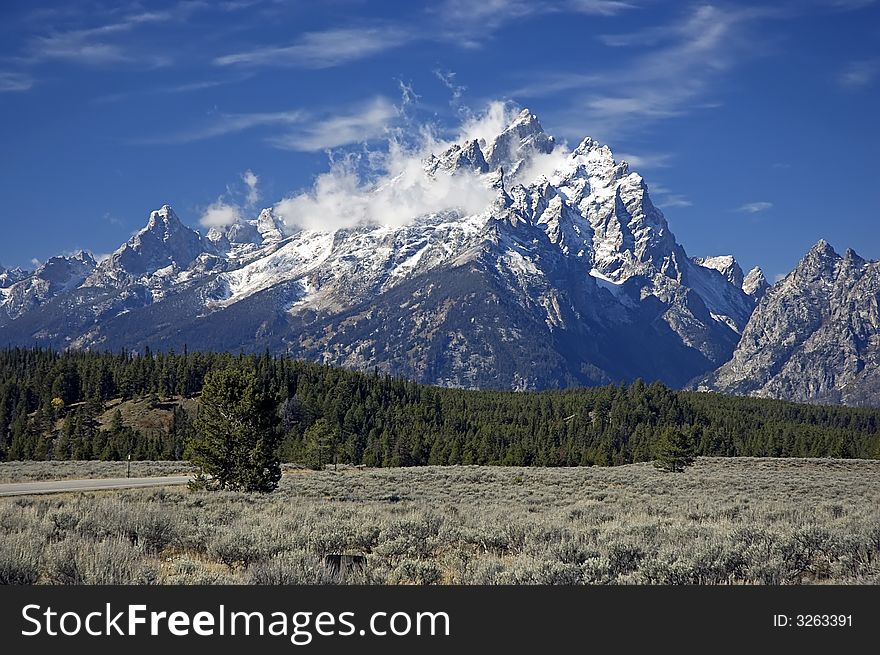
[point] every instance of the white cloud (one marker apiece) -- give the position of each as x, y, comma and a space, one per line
552, 82
223, 124
104, 45
600, 7
252, 181
401, 192
497, 116
325, 49
391, 187
667, 71
408, 96
647, 160
860, 74
299, 130
227, 209
470, 24
447, 79
11, 82
673, 200
220, 214
754, 207
365, 122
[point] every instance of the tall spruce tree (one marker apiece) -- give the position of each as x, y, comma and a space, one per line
236, 434
674, 451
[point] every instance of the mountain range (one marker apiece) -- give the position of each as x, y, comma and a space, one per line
569, 275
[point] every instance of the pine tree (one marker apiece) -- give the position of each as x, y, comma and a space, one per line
674, 451
318, 444
236, 434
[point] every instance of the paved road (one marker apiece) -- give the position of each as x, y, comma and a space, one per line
60, 486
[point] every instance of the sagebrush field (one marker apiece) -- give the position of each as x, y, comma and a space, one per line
722, 521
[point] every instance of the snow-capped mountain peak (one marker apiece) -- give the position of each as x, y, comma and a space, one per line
520, 140
724, 264
270, 228
558, 253
755, 284
164, 242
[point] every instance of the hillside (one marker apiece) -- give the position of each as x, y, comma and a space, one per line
85, 405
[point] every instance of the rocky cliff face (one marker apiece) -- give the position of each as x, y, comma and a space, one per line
814, 336
568, 275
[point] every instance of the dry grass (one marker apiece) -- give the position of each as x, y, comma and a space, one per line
724, 521
86, 470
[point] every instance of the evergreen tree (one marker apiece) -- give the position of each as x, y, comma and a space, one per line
674, 451
318, 444
236, 435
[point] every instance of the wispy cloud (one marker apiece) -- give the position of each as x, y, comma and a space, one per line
448, 79
316, 50
846, 5
674, 72
666, 199
223, 124
363, 123
11, 82
295, 129
860, 74
674, 200
600, 7
754, 207
471, 24
251, 181
646, 160
550, 83
102, 45
188, 87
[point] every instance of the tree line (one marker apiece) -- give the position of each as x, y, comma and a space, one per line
50, 403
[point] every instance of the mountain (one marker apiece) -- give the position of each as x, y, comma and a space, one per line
26, 292
163, 248
9, 276
569, 274
814, 336
755, 284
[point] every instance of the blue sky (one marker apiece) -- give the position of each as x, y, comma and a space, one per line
754, 126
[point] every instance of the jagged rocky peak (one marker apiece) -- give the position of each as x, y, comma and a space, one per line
755, 284
516, 144
820, 263
164, 241
724, 264
519, 140
165, 223
815, 336
9, 276
269, 226
460, 158
64, 272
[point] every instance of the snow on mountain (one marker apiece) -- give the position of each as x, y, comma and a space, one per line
163, 246
58, 275
724, 264
814, 336
10, 276
755, 284
568, 250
